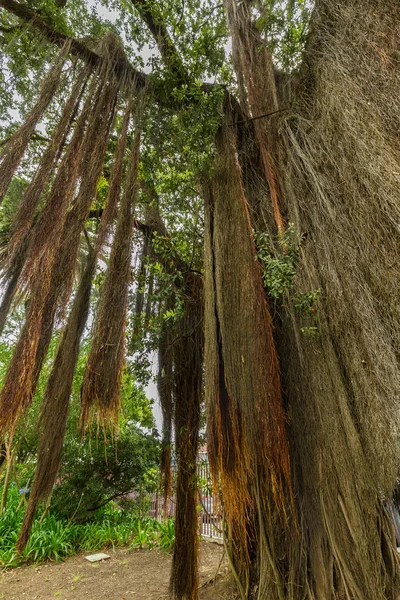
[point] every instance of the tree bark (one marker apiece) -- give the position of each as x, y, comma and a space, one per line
335, 161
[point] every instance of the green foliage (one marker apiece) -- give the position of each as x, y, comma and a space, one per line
54, 538
166, 535
96, 472
142, 535
311, 332
204, 481
278, 266
170, 282
279, 261
285, 25
136, 407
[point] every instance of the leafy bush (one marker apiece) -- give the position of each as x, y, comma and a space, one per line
93, 474
279, 261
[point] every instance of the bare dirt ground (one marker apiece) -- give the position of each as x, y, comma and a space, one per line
128, 574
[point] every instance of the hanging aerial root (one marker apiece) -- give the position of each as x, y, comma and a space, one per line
56, 400
19, 243
16, 391
116, 178
82, 162
253, 61
76, 218
10, 283
141, 278
68, 249
101, 383
227, 455
16, 145
49, 225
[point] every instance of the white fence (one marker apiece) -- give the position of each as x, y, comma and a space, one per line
210, 510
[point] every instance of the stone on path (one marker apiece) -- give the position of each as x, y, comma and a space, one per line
96, 557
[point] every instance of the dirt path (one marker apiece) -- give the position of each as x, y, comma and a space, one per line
128, 574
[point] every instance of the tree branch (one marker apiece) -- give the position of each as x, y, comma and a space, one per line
81, 51
156, 226
77, 48
109, 499
164, 42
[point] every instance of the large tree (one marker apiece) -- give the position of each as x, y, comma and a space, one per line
293, 159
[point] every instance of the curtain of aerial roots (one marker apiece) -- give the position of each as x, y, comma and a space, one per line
26, 210
187, 383
56, 400
15, 255
100, 391
14, 150
247, 440
47, 268
339, 160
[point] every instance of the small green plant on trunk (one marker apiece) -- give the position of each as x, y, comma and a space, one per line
279, 260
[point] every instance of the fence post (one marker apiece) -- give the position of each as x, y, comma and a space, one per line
156, 507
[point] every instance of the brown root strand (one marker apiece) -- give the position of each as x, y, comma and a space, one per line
16, 145
141, 278
247, 438
254, 62
11, 278
49, 226
56, 400
165, 393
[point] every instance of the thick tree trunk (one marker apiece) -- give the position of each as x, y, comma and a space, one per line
187, 384
336, 160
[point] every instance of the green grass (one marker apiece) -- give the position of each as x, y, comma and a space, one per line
55, 538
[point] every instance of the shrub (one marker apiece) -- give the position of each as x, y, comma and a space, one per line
94, 474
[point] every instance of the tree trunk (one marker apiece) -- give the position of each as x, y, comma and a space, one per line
335, 160
187, 382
